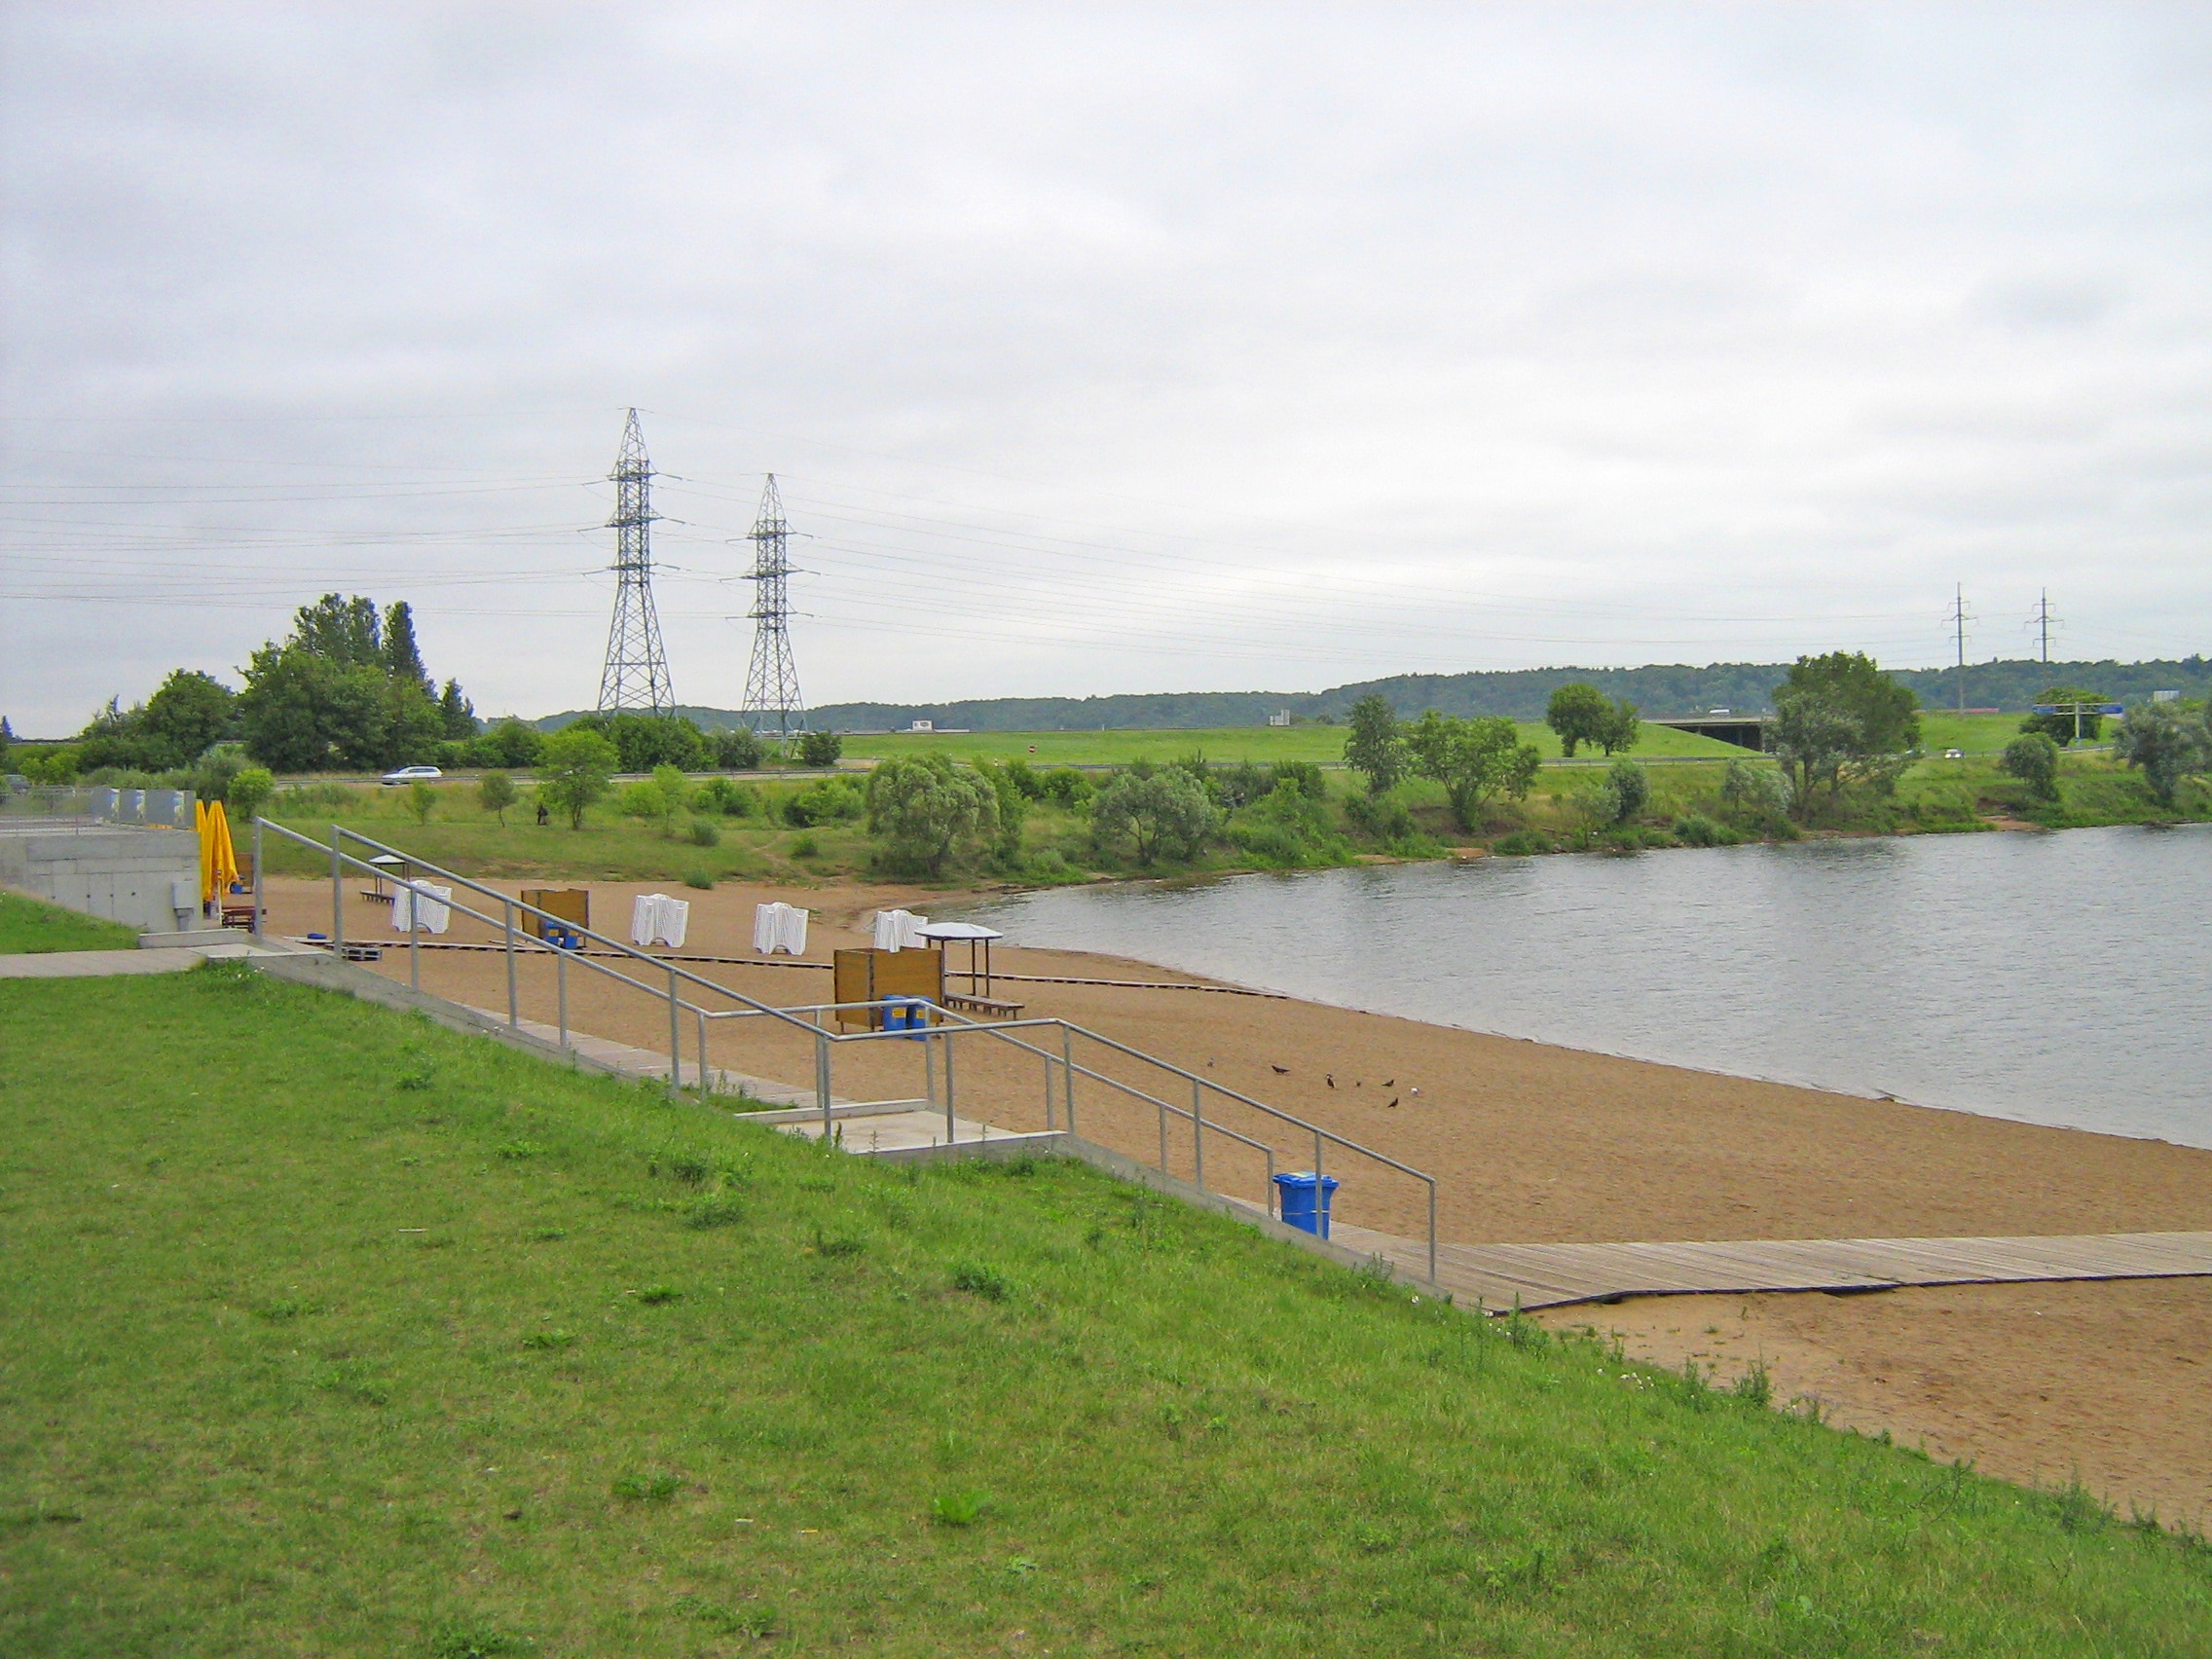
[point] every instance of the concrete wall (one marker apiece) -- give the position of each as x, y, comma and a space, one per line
147, 879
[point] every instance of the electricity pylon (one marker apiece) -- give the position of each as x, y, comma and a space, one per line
636, 675
772, 701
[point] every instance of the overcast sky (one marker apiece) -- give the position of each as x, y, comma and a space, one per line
1103, 349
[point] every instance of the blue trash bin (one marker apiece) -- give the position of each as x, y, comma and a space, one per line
1305, 1200
907, 1016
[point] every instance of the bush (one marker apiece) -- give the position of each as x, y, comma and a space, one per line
1066, 788
1522, 843
1380, 816
927, 812
737, 750
421, 800
2033, 759
495, 793
247, 791
821, 748
729, 798
1631, 789
704, 834
575, 771
1166, 813
1303, 775
639, 800
805, 847
1023, 777
833, 800
1695, 830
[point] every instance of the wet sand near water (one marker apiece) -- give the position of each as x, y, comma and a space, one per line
1528, 1143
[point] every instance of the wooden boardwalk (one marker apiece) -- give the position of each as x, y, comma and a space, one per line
1502, 1276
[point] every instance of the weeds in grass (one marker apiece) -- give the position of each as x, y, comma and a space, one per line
712, 1212
655, 1295
2078, 1509
961, 1508
285, 1309
834, 1247
977, 1281
469, 1639
518, 1151
421, 1077
647, 1488
1754, 1387
548, 1234
755, 1624
350, 1379
548, 1339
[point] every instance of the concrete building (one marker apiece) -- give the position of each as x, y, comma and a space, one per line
147, 879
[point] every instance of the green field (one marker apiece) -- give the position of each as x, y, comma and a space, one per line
1259, 744
334, 1333
29, 927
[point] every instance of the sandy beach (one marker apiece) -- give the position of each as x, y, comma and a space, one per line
2112, 1382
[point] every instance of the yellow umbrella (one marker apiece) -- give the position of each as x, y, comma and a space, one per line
225, 855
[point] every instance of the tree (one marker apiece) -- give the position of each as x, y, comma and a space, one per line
1621, 728
1579, 713
575, 771
341, 630
1166, 812
495, 793
2060, 728
821, 748
301, 711
2165, 742
737, 750
926, 811
1629, 787
674, 789
402, 657
512, 744
456, 714
646, 741
421, 800
2033, 759
1376, 748
1840, 720
190, 713
1475, 760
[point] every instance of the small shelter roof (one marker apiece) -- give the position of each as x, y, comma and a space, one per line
959, 930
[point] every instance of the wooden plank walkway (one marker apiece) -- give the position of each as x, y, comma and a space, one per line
1553, 1275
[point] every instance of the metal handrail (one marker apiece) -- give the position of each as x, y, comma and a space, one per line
956, 1023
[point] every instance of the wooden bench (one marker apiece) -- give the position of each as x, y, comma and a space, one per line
996, 1007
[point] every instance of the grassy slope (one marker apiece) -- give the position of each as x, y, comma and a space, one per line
29, 927
1262, 744
326, 1335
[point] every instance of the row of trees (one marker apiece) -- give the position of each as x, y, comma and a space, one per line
1477, 760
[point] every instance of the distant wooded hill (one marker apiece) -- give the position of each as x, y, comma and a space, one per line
1659, 691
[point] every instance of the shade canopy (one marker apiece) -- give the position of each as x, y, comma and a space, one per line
959, 930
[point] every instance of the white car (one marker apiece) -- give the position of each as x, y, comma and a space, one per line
411, 775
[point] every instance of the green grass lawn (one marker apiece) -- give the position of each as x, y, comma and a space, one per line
329, 1332
30, 927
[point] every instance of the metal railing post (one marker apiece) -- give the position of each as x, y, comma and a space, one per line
703, 1085
414, 940
1316, 1159
1199, 1134
952, 1130
1162, 1105
514, 1004
1432, 1231
822, 1081
336, 899
257, 901
1067, 1062
561, 984
675, 1036
1047, 1094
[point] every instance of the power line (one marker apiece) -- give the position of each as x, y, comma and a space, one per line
1959, 619
636, 675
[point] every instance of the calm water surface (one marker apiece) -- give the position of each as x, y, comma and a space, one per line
2058, 978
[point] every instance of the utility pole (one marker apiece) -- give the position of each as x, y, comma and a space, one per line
2043, 619
772, 700
636, 675
1958, 620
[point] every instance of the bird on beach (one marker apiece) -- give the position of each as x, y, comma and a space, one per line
1279, 1070
1390, 1083
1393, 1101
1412, 1091
1330, 1079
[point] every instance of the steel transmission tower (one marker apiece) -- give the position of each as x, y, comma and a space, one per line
635, 676
772, 701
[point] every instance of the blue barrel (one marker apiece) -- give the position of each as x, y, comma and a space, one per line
907, 1015
1305, 1200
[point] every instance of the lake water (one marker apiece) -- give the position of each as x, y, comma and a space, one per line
2058, 978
